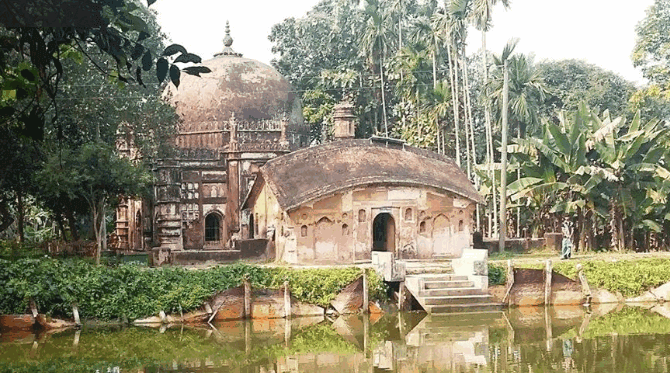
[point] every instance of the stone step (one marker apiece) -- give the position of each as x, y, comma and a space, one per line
423, 270
454, 308
452, 292
445, 336
463, 299
463, 321
438, 260
440, 277
430, 285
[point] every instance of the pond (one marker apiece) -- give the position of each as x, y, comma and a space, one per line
613, 338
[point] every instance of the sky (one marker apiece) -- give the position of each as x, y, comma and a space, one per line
601, 32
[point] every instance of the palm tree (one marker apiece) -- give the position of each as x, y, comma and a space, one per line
526, 89
444, 23
376, 44
411, 62
481, 18
502, 62
441, 101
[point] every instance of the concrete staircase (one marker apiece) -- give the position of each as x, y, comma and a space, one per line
438, 290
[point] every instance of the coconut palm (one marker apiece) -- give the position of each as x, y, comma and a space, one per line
526, 91
376, 44
481, 18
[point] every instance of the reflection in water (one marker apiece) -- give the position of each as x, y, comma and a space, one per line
574, 339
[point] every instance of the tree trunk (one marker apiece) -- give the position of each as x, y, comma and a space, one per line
468, 105
72, 223
99, 226
103, 222
21, 215
381, 75
518, 176
434, 70
6, 218
503, 170
61, 226
96, 231
615, 243
453, 76
489, 135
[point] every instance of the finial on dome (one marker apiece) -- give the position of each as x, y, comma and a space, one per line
227, 42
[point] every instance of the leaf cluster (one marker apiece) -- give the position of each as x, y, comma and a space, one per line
131, 291
628, 277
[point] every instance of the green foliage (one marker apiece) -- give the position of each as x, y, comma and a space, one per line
652, 44
134, 291
629, 320
134, 349
628, 277
497, 274
571, 82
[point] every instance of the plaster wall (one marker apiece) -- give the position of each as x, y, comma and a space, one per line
339, 228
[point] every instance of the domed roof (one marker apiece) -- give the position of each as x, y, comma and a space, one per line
250, 89
312, 173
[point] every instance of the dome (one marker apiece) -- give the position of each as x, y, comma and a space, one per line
248, 88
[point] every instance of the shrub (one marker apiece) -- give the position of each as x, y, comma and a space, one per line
629, 277
134, 291
497, 274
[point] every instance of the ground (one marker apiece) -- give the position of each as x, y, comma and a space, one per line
536, 257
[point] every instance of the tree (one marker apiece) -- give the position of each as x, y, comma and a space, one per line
85, 106
610, 175
96, 174
527, 91
652, 54
37, 37
652, 45
376, 42
570, 82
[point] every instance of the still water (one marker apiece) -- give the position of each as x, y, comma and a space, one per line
576, 339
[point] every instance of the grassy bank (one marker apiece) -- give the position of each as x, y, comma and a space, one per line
132, 292
630, 277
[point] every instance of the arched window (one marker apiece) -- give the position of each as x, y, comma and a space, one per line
361, 215
212, 227
303, 231
460, 225
345, 230
408, 214
422, 227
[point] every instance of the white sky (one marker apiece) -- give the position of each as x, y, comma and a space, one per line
601, 32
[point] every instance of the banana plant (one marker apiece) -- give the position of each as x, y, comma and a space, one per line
559, 178
635, 157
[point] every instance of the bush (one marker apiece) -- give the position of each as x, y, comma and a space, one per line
629, 277
133, 291
497, 274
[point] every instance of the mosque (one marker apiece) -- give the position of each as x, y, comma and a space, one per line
246, 184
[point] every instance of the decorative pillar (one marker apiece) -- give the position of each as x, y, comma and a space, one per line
233, 170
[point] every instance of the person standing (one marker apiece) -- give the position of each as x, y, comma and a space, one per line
566, 245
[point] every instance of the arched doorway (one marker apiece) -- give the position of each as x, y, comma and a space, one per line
383, 233
326, 236
137, 244
212, 228
252, 226
442, 236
